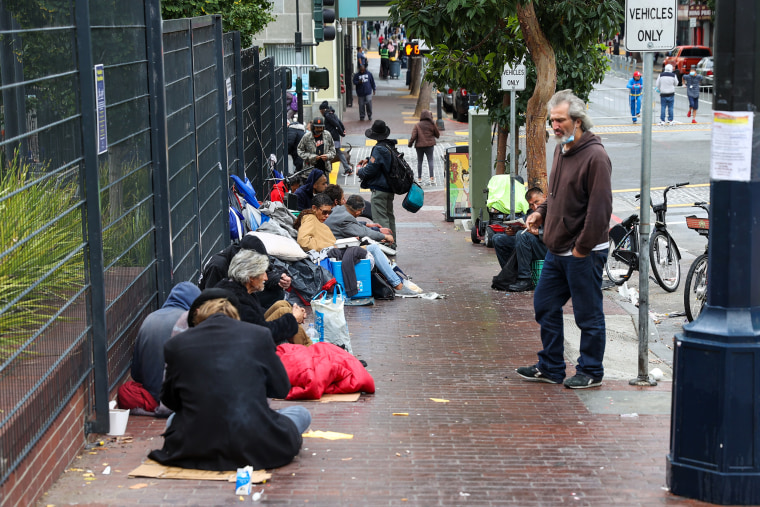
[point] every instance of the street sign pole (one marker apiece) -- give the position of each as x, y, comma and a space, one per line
715, 431
650, 25
645, 226
512, 79
513, 153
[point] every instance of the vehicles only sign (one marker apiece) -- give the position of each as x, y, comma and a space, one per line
513, 78
650, 25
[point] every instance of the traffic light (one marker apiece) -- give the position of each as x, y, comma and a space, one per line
323, 17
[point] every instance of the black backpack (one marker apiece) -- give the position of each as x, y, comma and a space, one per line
400, 176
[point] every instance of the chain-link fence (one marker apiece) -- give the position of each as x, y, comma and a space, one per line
117, 139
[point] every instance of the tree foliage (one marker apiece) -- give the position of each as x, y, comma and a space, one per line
246, 16
474, 39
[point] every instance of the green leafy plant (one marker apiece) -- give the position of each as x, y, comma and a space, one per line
41, 262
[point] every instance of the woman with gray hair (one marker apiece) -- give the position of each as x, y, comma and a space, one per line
247, 275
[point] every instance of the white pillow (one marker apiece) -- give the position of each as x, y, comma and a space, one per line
285, 249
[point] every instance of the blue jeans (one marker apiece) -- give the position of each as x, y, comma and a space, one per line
503, 246
667, 102
529, 248
564, 277
299, 415
635, 105
383, 265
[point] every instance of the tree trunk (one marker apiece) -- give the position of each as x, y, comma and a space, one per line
546, 82
423, 101
416, 76
501, 141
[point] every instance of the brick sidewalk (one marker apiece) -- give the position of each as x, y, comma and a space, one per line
498, 441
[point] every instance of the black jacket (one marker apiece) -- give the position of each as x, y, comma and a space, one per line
218, 377
251, 311
334, 126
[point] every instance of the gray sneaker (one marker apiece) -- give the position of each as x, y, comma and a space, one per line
533, 374
405, 291
580, 381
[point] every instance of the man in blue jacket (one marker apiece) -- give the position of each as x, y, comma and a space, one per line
365, 89
374, 174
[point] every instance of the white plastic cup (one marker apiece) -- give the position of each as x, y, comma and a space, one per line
117, 419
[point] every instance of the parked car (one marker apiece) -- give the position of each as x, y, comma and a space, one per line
682, 58
705, 69
458, 102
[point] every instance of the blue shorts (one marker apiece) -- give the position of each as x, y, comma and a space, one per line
694, 102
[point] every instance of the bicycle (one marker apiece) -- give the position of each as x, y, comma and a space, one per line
695, 288
664, 256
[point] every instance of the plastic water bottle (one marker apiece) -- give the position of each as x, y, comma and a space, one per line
311, 332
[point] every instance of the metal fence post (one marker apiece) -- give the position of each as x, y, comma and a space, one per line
239, 123
93, 232
159, 149
221, 127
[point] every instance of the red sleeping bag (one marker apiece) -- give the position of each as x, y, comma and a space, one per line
323, 368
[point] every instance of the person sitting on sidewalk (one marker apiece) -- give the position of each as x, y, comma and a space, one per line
216, 269
247, 276
526, 246
314, 234
315, 184
148, 357
219, 376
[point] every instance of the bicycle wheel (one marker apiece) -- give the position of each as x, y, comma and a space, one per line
619, 264
665, 261
695, 290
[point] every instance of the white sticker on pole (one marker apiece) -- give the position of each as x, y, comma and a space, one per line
513, 78
731, 158
650, 25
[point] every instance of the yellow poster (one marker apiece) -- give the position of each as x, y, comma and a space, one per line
459, 185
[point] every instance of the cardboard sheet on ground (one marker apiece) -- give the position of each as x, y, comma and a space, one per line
327, 398
156, 470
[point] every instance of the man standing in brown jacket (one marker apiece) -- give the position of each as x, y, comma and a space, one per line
575, 216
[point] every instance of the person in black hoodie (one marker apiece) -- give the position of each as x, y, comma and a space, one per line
219, 374
315, 184
337, 130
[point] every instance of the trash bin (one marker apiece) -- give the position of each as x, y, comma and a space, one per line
395, 70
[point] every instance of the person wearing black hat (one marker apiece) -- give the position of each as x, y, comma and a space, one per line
374, 174
219, 374
337, 130
317, 147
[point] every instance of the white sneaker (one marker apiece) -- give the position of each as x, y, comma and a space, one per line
412, 286
671, 123
661, 124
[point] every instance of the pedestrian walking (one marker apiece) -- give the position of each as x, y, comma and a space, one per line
423, 138
692, 82
374, 173
361, 58
337, 130
575, 217
635, 87
292, 101
666, 87
364, 84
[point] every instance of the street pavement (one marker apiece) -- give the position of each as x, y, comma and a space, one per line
488, 438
